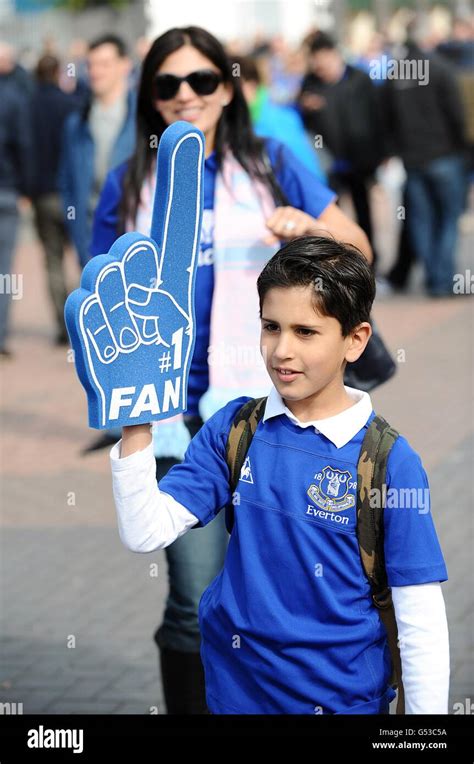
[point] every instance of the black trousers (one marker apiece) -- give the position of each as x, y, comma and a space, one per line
358, 187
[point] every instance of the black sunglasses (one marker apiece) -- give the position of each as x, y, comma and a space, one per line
203, 82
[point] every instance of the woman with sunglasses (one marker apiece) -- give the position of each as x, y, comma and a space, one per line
256, 194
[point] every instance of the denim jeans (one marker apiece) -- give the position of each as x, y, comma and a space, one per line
435, 196
8, 231
194, 560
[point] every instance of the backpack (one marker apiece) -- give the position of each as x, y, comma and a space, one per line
371, 473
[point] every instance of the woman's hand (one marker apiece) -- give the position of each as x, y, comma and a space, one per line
288, 223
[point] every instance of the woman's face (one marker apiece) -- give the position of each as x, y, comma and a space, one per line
203, 111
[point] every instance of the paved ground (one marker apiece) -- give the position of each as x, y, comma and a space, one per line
77, 609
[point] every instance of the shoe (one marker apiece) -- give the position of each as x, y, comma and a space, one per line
182, 676
103, 441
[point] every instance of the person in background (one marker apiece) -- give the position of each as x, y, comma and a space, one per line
13, 71
273, 120
142, 46
286, 70
340, 104
96, 139
425, 126
50, 106
15, 179
459, 48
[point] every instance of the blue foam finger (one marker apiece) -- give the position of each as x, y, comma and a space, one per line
177, 209
131, 323
142, 263
111, 293
98, 331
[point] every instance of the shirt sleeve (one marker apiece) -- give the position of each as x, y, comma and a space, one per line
412, 550
302, 188
147, 518
424, 647
201, 483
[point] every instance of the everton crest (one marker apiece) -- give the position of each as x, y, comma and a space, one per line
332, 490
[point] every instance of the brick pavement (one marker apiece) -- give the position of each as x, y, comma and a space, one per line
67, 580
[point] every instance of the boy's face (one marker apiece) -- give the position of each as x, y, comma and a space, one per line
303, 350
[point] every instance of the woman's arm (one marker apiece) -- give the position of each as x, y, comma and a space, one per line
311, 205
288, 223
344, 229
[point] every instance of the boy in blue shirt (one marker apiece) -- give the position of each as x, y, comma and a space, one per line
288, 626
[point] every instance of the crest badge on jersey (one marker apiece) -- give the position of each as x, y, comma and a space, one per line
331, 492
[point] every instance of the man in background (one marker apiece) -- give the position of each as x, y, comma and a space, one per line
339, 103
97, 139
50, 108
15, 179
426, 129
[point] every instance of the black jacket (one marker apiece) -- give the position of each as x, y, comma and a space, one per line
424, 122
49, 108
350, 123
15, 139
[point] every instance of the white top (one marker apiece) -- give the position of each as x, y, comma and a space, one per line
149, 519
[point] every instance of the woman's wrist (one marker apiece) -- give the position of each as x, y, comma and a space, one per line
317, 228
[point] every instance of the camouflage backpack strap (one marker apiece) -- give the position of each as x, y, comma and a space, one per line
371, 500
238, 443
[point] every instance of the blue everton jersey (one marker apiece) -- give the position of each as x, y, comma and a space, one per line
288, 625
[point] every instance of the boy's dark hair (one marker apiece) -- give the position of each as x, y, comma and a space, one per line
110, 39
321, 41
343, 281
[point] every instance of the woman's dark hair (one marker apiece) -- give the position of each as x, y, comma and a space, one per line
234, 131
341, 277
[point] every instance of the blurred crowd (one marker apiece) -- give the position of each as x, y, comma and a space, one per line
343, 107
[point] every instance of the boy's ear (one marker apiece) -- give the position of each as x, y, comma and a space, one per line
359, 338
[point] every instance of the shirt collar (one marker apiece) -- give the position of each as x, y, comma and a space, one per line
340, 428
